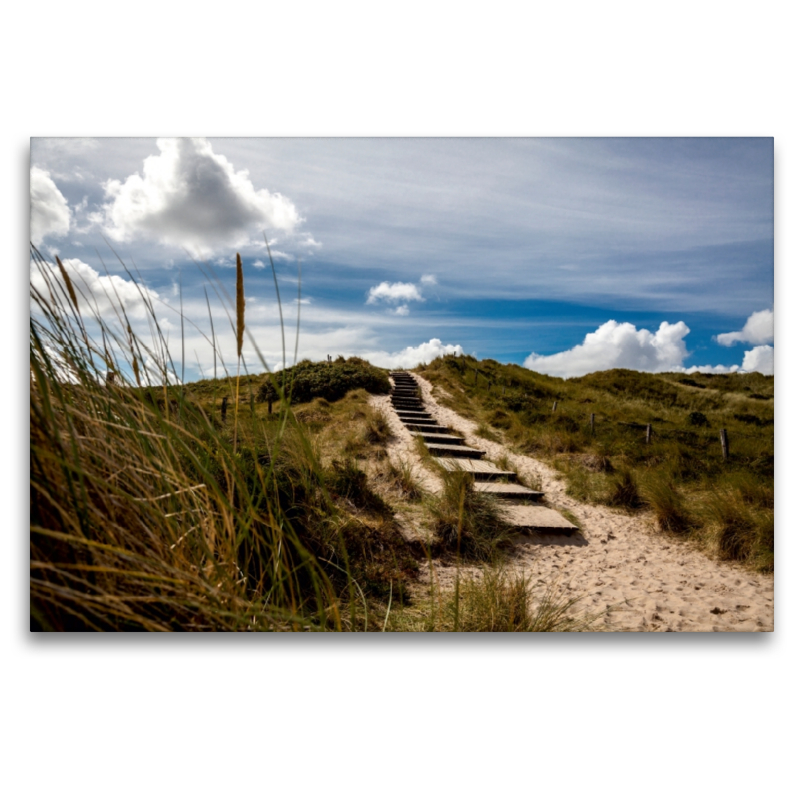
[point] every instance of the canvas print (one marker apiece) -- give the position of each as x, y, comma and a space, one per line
401, 384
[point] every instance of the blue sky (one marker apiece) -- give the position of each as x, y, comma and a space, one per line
566, 255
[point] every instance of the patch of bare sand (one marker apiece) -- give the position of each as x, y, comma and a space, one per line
633, 577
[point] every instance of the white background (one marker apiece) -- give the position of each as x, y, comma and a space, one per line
405, 716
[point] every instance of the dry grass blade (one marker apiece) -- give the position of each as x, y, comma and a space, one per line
239, 305
68, 283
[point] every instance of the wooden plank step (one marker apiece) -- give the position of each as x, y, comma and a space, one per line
441, 438
537, 518
481, 470
454, 451
426, 427
508, 491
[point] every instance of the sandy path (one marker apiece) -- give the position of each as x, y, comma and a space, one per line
638, 579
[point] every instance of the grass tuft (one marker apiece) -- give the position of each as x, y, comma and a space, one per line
468, 522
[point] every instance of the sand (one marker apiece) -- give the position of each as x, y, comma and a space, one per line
630, 575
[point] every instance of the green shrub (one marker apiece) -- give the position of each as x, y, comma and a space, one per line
331, 381
697, 418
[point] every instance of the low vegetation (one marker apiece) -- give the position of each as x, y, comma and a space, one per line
499, 601
328, 380
160, 506
594, 430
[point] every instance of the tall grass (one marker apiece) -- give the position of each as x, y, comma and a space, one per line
498, 600
147, 513
468, 522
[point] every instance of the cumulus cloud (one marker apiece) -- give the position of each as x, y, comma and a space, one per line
720, 369
412, 356
760, 359
100, 294
428, 280
394, 293
50, 215
617, 345
759, 329
614, 345
401, 311
190, 196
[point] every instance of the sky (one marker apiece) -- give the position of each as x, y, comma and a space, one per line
566, 255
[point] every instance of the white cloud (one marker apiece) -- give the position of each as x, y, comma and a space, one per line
401, 311
394, 292
191, 197
759, 329
760, 359
412, 356
428, 280
259, 264
720, 369
618, 345
100, 294
50, 215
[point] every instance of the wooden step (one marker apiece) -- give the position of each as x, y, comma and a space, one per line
426, 428
454, 451
480, 470
508, 491
441, 438
537, 518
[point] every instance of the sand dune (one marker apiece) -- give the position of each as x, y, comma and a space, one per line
635, 578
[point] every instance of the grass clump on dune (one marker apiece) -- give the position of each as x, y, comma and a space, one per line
468, 522
497, 600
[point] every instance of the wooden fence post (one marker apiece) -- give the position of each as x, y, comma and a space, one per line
723, 439
649, 433
591, 423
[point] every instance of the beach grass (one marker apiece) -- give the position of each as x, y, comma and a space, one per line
594, 430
